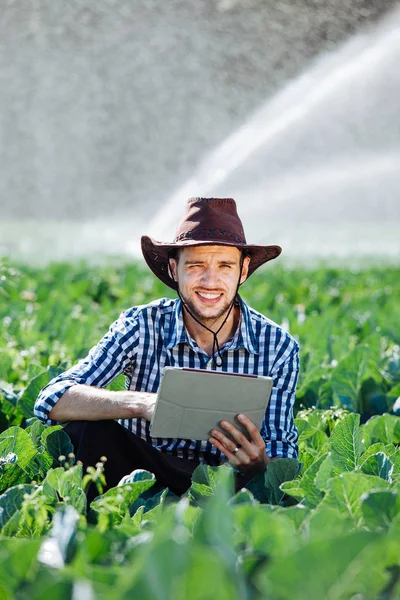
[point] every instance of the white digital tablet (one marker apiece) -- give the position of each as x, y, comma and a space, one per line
192, 402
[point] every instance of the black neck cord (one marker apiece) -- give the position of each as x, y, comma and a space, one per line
217, 361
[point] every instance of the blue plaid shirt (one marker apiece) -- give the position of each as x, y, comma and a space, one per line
145, 339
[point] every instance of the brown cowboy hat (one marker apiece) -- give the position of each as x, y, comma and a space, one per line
206, 222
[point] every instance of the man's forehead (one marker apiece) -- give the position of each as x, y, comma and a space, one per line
223, 252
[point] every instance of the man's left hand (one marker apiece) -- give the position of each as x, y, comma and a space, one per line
247, 456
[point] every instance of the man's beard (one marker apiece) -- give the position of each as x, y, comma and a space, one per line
208, 321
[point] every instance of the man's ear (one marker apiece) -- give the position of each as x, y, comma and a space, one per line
245, 269
172, 269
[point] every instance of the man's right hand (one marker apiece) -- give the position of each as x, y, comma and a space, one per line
148, 405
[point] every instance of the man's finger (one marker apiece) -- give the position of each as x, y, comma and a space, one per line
231, 456
253, 431
251, 427
227, 442
238, 436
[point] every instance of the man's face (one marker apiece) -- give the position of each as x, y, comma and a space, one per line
207, 277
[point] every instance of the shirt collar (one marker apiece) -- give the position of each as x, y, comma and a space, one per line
245, 337
177, 331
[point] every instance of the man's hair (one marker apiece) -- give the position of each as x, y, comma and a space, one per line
174, 253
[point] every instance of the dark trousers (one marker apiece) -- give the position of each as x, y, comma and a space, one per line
125, 452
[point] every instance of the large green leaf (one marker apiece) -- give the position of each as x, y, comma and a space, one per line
39, 466
12, 474
161, 559
313, 495
17, 565
346, 445
53, 584
195, 585
349, 375
35, 430
10, 395
346, 491
151, 507
270, 533
380, 507
395, 460
266, 486
293, 489
94, 548
324, 473
326, 522
215, 525
297, 514
19, 442
381, 428
378, 464
209, 476
256, 486
373, 449
26, 402
57, 443
205, 480
12, 500
34, 370
329, 568
171, 570
313, 439
243, 496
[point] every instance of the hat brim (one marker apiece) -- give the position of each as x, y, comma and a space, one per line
156, 255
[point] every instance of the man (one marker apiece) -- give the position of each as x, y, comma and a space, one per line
208, 327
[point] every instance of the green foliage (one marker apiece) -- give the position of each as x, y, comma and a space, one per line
349, 347
266, 487
346, 526
114, 505
345, 444
325, 526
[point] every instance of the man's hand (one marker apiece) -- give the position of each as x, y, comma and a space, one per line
147, 405
247, 456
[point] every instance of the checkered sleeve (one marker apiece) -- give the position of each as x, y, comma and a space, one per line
109, 358
278, 430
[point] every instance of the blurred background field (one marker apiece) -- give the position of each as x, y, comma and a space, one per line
113, 113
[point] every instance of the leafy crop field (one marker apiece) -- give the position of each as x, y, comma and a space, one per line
327, 527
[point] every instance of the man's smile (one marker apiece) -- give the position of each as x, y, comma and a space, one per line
209, 297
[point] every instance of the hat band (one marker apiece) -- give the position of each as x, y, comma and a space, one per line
208, 235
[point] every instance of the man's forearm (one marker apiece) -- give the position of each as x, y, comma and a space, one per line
88, 403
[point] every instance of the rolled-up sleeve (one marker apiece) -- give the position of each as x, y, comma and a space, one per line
114, 353
278, 430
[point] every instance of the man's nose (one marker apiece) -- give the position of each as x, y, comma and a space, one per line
210, 275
